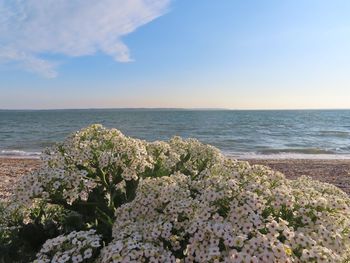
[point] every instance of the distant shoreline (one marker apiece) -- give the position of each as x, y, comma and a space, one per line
177, 109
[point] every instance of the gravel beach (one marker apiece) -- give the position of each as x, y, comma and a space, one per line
10, 170
336, 172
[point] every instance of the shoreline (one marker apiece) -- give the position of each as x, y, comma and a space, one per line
333, 171
244, 156
10, 157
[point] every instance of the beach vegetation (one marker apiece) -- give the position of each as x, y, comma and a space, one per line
101, 196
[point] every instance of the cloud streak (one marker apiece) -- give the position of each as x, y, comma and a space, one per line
30, 29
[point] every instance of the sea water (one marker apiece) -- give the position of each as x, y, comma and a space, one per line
242, 134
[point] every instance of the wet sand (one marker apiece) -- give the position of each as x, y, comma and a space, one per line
336, 172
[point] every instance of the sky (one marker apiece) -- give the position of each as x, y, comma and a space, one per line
241, 54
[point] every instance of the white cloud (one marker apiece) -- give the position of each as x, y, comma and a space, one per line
31, 28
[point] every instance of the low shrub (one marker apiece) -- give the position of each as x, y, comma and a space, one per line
128, 200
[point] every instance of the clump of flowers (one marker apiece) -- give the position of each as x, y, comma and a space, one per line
96, 170
92, 172
235, 213
91, 158
188, 156
181, 201
75, 247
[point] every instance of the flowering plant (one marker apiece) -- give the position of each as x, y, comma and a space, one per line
24, 229
182, 201
92, 172
232, 213
75, 247
96, 170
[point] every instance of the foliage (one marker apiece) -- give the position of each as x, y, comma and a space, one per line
23, 230
174, 201
96, 170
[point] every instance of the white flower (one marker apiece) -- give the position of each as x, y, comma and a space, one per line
88, 253
77, 258
68, 247
56, 184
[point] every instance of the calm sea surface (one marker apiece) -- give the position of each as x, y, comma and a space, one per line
306, 133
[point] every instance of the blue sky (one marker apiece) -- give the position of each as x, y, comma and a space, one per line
192, 54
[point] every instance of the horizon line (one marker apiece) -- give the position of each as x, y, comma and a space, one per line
171, 108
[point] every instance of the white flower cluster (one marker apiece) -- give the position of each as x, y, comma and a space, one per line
188, 156
91, 157
96, 156
233, 212
191, 204
73, 248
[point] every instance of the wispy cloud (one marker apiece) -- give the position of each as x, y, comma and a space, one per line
32, 28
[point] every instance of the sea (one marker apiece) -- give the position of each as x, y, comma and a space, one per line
316, 134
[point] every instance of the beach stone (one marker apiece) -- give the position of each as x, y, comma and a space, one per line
11, 170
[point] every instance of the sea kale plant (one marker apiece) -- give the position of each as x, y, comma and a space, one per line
92, 173
127, 200
96, 170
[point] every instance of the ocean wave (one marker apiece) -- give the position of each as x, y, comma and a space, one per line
19, 154
297, 150
340, 134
